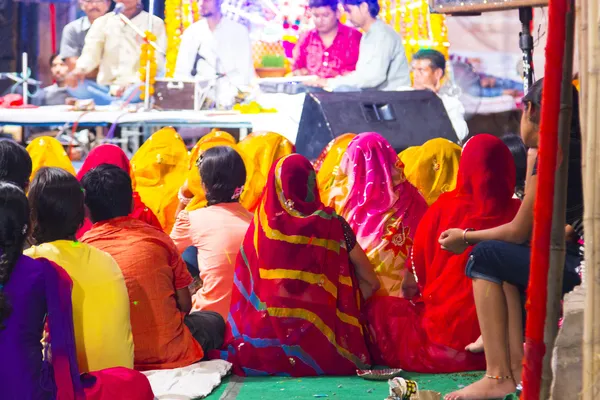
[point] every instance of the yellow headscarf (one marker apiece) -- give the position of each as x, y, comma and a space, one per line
160, 167
432, 168
329, 160
261, 150
46, 151
213, 139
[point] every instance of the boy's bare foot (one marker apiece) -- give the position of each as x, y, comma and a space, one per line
476, 346
485, 389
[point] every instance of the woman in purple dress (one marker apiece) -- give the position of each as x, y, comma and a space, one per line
32, 292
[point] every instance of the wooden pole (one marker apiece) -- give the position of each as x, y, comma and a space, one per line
557, 238
590, 87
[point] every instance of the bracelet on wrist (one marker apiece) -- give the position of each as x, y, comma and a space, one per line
182, 199
465, 235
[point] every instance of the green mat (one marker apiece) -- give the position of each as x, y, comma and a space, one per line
331, 387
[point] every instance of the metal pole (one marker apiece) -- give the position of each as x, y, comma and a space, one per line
25, 77
557, 238
526, 46
147, 81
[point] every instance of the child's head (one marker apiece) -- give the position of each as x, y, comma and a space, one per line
108, 192
15, 163
223, 174
56, 202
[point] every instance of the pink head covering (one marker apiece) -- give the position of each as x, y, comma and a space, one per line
105, 154
371, 192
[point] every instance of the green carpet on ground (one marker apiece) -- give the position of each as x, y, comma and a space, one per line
346, 387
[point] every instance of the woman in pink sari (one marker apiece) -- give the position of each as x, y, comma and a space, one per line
371, 192
111, 154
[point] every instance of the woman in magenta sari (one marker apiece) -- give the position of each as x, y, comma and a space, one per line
295, 306
111, 154
371, 192
428, 330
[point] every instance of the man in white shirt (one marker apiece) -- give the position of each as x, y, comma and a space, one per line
382, 63
114, 48
429, 67
216, 45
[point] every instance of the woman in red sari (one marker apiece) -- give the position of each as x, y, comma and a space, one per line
111, 154
429, 334
295, 307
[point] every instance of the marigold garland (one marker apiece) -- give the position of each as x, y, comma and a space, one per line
173, 30
147, 60
195, 11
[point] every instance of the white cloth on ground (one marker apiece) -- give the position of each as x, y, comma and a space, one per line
194, 381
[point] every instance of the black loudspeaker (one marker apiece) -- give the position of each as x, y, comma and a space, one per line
407, 118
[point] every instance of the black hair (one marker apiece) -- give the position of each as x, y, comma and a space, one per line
519, 151
54, 56
14, 219
373, 6
333, 4
534, 97
57, 205
435, 57
108, 192
222, 171
15, 163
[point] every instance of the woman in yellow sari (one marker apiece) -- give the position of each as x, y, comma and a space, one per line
328, 162
432, 168
159, 168
261, 150
46, 151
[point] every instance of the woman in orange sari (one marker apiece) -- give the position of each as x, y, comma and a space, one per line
159, 169
430, 335
371, 192
261, 150
295, 306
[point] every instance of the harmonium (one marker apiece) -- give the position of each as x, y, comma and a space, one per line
462, 7
182, 94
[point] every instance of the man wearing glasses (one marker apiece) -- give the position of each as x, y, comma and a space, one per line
73, 35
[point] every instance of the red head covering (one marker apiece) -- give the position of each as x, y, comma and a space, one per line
111, 154
295, 301
436, 331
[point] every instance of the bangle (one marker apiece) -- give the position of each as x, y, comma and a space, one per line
182, 199
465, 235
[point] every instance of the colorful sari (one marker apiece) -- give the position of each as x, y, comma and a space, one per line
46, 151
262, 150
160, 167
295, 306
213, 139
111, 154
432, 168
371, 192
328, 162
430, 335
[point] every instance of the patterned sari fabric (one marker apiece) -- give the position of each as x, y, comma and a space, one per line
295, 307
262, 150
46, 151
436, 329
111, 154
213, 139
432, 168
159, 168
371, 192
328, 162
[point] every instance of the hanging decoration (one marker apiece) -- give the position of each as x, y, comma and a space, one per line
173, 30
147, 65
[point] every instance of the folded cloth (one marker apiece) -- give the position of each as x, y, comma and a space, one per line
194, 381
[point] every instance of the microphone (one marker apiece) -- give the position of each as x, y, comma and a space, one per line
119, 8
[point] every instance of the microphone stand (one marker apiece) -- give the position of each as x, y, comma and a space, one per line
147, 81
526, 46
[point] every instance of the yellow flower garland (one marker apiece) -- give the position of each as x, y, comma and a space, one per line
147, 60
195, 12
173, 29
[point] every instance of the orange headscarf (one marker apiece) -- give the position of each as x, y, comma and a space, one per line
329, 160
160, 167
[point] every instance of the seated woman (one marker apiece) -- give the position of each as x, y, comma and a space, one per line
46, 151
217, 230
159, 169
295, 307
32, 292
432, 167
263, 149
430, 335
328, 162
371, 192
499, 263
111, 154
100, 300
